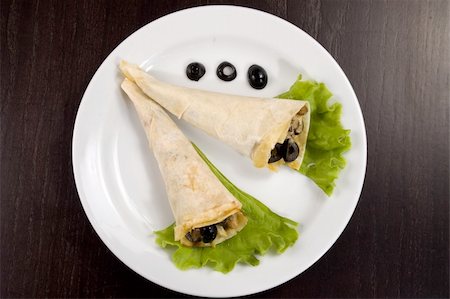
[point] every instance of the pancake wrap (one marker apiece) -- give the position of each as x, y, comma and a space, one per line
196, 196
253, 126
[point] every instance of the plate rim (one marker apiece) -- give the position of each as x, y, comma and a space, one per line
84, 199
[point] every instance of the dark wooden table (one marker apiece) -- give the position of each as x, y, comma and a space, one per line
395, 53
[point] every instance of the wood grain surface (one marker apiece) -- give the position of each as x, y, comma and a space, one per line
395, 54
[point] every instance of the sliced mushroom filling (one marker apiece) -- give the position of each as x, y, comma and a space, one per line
296, 127
289, 149
208, 234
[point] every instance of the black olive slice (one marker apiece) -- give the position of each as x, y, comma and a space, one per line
195, 71
277, 153
292, 150
226, 71
257, 77
208, 233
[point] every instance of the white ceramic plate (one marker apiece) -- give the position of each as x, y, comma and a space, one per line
117, 177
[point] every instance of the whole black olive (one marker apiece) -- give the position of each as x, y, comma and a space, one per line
209, 233
257, 77
292, 150
195, 71
226, 71
277, 153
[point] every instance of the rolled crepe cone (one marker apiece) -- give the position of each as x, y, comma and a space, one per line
197, 198
253, 126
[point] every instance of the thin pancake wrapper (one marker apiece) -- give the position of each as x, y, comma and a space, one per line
253, 126
196, 196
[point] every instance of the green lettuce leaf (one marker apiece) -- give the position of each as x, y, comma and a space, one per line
327, 139
264, 230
